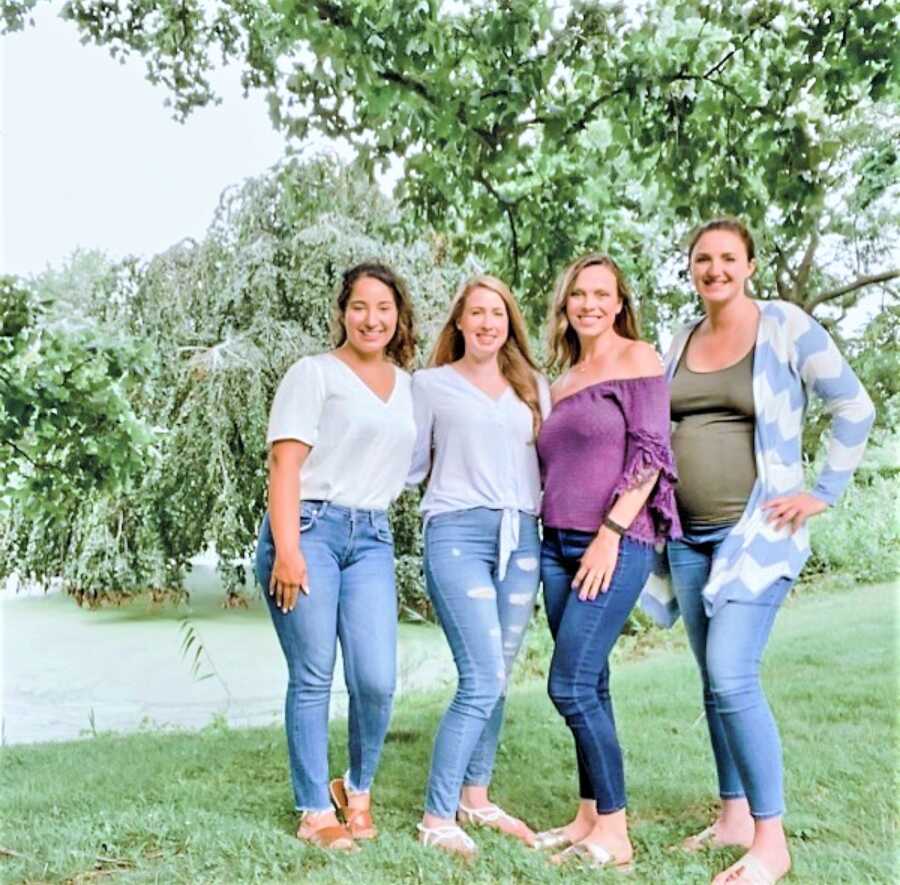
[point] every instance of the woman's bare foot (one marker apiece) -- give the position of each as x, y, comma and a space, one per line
610, 833
560, 837
475, 808
768, 859
444, 834
733, 826
322, 828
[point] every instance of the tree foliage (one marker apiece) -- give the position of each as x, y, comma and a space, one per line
532, 130
218, 322
68, 426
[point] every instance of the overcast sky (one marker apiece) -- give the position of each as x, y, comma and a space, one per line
92, 158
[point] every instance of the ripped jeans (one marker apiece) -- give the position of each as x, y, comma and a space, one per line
484, 619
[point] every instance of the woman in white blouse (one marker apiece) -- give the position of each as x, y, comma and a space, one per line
341, 436
478, 410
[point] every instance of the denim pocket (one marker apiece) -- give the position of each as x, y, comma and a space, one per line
309, 515
383, 529
264, 559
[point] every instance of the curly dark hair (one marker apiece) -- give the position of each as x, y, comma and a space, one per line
401, 349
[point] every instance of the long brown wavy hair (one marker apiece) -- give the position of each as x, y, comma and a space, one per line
515, 360
401, 349
563, 346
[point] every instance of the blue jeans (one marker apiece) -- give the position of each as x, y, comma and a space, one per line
729, 648
584, 633
484, 619
350, 562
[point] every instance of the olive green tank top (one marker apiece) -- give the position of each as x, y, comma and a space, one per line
713, 441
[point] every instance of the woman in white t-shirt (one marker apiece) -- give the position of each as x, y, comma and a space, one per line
341, 435
478, 410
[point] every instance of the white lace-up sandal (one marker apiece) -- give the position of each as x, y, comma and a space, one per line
493, 816
449, 838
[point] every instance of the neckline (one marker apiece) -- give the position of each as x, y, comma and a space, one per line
356, 375
683, 360
474, 386
608, 381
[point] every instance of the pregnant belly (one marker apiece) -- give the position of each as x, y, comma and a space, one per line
716, 469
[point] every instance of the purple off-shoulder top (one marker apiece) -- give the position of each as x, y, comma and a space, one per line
602, 441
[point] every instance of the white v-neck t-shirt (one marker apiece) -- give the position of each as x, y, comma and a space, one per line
361, 445
480, 451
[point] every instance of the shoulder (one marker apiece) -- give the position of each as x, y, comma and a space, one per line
558, 387
308, 367
786, 314
427, 376
541, 380
642, 360
404, 379
424, 380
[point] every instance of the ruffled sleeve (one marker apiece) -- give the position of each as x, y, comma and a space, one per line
645, 405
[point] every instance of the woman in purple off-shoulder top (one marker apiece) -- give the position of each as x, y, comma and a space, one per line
608, 478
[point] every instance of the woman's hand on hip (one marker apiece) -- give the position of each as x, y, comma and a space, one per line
793, 510
288, 579
597, 565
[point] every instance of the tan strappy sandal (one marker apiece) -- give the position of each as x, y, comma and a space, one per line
358, 820
331, 837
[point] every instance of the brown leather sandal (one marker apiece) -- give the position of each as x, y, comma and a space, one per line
358, 820
330, 837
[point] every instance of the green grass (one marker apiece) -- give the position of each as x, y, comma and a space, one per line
215, 806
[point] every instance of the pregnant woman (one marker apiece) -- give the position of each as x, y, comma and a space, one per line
341, 435
738, 380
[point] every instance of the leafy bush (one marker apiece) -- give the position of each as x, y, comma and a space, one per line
860, 535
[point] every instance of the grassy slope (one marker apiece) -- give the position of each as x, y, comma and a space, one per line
216, 807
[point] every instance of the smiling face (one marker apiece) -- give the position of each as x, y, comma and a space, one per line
720, 266
370, 317
483, 322
594, 302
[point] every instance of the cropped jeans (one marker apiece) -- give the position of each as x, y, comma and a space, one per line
584, 633
484, 619
350, 563
729, 648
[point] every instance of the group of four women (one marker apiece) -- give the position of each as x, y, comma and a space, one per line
572, 486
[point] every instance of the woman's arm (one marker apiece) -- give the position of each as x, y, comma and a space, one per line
289, 572
424, 417
825, 371
599, 561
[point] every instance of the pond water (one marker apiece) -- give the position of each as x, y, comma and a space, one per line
67, 672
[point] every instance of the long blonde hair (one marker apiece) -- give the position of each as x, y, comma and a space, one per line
515, 360
562, 341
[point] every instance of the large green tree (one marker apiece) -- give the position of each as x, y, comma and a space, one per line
205, 331
530, 130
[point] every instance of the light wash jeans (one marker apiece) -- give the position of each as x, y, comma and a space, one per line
584, 633
350, 562
484, 620
729, 648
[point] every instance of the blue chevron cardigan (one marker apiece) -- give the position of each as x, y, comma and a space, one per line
793, 353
